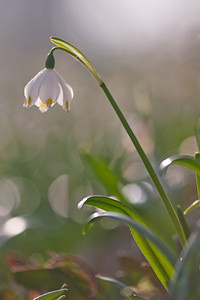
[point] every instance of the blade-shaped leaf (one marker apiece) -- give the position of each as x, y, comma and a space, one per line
195, 204
197, 132
110, 204
72, 50
52, 295
157, 254
183, 160
197, 158
141, 229
185, 284
103, 174
157, 260
183, 221
126, 291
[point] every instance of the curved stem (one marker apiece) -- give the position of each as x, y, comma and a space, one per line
197, 157
154, 177
70, 49
81, 58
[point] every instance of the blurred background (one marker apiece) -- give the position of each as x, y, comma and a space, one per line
147, 52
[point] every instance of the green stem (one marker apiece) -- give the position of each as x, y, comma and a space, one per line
70, 49
183, 221
154, 177
197, 157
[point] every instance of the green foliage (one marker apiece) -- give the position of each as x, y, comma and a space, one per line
52, 295
159, 256
50, 226
183, 160
103, 174
183, 221
185, 282
125, 290
195, 204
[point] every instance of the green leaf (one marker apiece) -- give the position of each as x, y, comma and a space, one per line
159, 257
125, 290
197, 158
52, 295
195, 204
138, 227
103, 174
183, 160
110, 204
197, 132
78, 55
183, 221
185, 284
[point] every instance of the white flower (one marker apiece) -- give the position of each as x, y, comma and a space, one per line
47, 88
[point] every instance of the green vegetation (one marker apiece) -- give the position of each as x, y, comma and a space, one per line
46, 173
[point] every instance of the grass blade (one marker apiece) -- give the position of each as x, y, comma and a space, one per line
197, 158
110, 204
103, 174
157, 254
52, 295
141, 229
183, 221
183, 160
125, 290
185, 284
195, 204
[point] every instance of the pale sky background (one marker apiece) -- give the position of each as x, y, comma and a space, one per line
128, 25
108, 32
135, 24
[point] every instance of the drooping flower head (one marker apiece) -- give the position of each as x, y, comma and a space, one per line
47, 88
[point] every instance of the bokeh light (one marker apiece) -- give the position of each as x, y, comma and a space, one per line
147, 52
58, 196
14, 226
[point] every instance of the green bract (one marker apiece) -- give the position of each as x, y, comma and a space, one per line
77, 55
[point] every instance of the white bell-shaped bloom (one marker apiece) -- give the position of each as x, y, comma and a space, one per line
47, 88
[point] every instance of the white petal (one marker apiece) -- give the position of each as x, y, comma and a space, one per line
65, 97
31, 90
42, 107
67, 89
28, 99
27, 88
66, 94
49, 90
60, 97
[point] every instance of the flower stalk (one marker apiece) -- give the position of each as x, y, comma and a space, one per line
73, 51
149, 168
